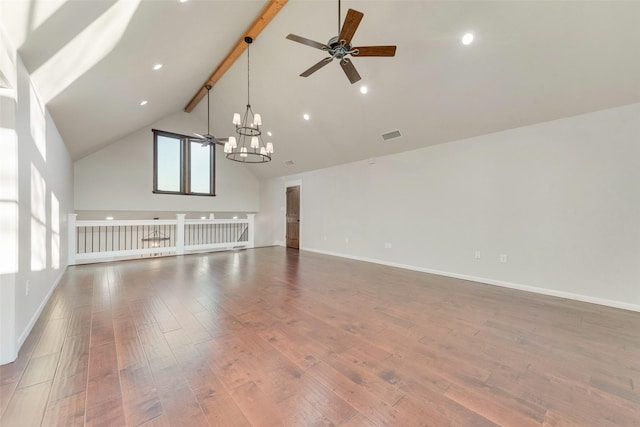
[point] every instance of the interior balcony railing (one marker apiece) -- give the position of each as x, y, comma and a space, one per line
110, 240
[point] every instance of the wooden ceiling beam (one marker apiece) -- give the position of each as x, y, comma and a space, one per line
268, 13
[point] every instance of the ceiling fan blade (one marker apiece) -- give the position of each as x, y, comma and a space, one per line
375, 51
317, 66
350, 25
350, 70
308, 42
199, 136
221, 141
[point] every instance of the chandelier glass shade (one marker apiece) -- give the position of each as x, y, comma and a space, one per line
247, 146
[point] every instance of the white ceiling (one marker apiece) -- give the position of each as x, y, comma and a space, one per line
530, 62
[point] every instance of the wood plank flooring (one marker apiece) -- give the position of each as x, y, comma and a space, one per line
276, 337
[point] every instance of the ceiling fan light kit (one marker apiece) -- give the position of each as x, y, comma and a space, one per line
339, 47
248, 147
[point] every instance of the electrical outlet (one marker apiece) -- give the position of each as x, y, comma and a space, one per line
477, 255
325, 238
503, 258
346, 240
26, 288
388, 245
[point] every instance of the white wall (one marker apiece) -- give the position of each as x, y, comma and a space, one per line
36, 195
120, 176
561, 199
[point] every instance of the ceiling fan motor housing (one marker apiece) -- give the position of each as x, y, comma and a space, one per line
339, 48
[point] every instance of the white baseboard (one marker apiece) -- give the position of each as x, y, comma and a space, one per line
36, 315
278, 243
527, 288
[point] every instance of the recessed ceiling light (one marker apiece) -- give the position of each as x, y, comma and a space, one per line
269, 133
109, 218
306, 116
203, 217
145, 102
182, 1
467, 39
364, 89
157, 67
235, 217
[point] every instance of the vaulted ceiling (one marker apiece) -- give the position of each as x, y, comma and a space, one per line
530, 62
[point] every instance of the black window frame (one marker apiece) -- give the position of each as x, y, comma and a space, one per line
185, 165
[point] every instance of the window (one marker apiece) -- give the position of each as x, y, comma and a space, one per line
182, 166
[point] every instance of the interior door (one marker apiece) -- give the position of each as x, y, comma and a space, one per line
293, 217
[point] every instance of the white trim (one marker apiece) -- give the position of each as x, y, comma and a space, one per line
180, 229
180, 224
217, 246
218, 221
9, 352
114, 254
71, 238
293, 183
36, 315
526, 288
124, 222
278, 243
251, 223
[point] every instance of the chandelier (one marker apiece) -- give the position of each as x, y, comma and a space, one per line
248, 147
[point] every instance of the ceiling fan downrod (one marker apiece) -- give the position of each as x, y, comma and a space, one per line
208, 87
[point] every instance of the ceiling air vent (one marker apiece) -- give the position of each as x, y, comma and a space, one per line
289, 163
391, 135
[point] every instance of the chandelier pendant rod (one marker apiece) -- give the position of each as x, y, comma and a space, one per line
249, 40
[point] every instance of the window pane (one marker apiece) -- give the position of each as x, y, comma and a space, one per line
200, 167
168, 150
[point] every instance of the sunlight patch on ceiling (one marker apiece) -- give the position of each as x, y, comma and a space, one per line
42, 10
29, 16
8, 74
85, 50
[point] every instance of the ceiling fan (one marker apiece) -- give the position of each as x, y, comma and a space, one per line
207, 138
339, 47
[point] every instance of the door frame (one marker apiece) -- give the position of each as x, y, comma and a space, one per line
294, 183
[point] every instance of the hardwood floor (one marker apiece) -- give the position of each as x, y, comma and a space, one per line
271, 337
